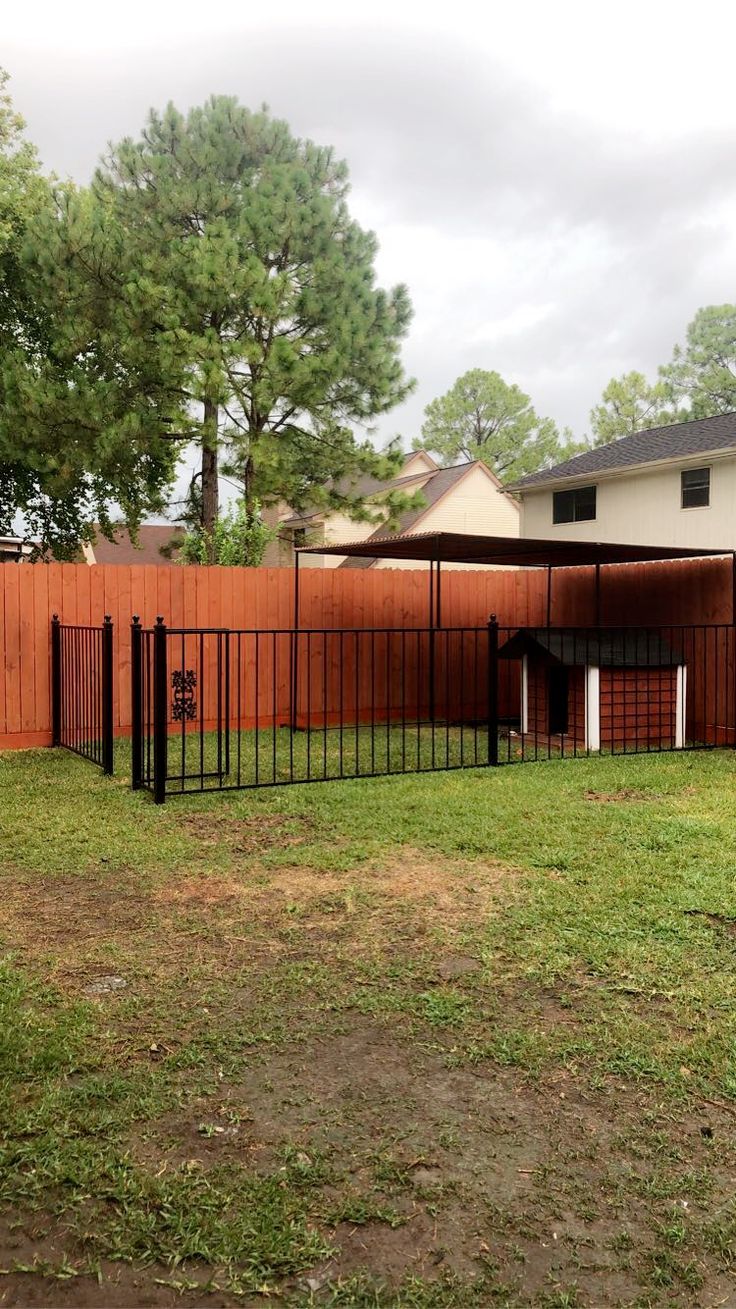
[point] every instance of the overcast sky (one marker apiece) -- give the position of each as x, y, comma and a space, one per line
555, 182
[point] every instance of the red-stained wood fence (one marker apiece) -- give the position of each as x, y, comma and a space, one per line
693, 592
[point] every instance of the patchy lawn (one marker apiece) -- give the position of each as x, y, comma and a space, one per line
455, 1040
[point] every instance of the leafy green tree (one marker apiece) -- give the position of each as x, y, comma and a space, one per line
209, 288
630, 404
702, 374
239, 540
80, 427
251, 275
483, 417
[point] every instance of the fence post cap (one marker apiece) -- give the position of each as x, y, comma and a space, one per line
493, 619
159, 621
136, 620
107, 618
54, 618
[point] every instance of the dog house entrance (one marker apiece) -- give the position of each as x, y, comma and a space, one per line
558, 691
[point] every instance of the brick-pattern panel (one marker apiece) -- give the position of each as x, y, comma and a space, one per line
638, 706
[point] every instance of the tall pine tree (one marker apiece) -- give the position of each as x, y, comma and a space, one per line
260, 290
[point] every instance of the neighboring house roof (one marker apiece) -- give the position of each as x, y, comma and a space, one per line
679, 440
156, 545
435, 486
364, 488
612, 648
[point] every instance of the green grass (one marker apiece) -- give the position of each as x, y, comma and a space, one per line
267, 930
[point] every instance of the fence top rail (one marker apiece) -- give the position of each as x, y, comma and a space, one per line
82, 627
308, 631
578, 628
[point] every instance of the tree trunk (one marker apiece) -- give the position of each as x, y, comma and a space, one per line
249, 472
210, 489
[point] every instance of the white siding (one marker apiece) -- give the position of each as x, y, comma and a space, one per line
643, 508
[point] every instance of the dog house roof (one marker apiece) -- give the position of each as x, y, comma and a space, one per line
612, 647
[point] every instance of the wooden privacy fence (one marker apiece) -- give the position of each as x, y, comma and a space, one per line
263, 599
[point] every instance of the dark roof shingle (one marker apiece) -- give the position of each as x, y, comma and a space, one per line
608, 648
698, 436
157, 544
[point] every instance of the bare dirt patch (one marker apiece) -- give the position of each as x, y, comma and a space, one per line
433, 1169
250, 835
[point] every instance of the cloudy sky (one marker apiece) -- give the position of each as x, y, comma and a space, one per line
555, 182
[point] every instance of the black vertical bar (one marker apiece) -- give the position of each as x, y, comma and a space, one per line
357, 705
107, 676
274, 707
325, 648
182, 664
202, 685
295, 658
492, 678
431, 652
461, 714
447, 699
476, 695
388, 702
403, 699
373, 701
160, 711
56, 680
218, 648
309, 706
342, 693
227, 702
257, 728
238, 717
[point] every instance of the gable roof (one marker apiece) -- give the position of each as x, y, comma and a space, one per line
610, 648
697, 436
153, 545
436, 485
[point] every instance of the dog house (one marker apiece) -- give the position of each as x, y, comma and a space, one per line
601, 688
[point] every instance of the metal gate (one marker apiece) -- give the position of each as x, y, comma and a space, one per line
225, 709
82, 690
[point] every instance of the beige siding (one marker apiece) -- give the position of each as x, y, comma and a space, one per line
475, 504
418, 462
643, 508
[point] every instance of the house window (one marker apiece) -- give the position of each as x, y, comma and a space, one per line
300, 537
576, 506
695, 488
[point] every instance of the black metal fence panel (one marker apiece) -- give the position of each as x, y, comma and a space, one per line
82, 690
219, 709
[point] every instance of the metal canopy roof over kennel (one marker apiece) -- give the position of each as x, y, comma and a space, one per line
436, 548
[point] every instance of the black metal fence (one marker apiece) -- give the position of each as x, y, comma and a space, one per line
223, 709
82, 690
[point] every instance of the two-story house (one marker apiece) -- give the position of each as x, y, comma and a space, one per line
673, 486
464, 498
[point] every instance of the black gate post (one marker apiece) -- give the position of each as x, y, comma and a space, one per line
160, 711
136, 705
493, 690
107, 676
55, 680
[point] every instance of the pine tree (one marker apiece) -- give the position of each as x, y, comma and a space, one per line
260, 287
